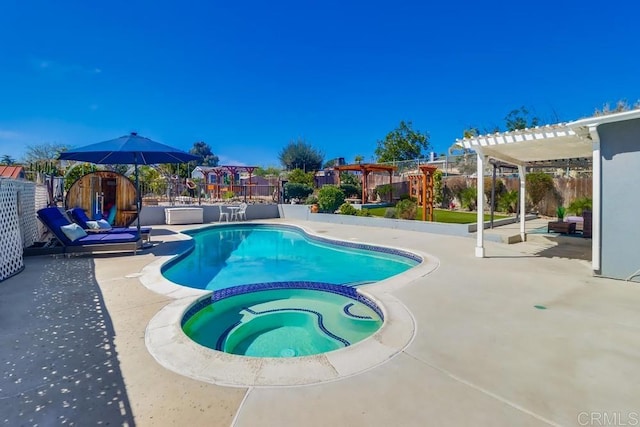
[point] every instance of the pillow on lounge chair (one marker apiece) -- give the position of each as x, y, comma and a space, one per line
103, 224
93, 225
73, 231
112, 215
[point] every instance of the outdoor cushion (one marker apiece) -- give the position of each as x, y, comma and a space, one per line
92, 225
73, 231
112, 215
103, 224
80, 217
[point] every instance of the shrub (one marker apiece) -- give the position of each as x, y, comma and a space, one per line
499, 190
406, 209
330, 198
456, 186
580, 205
438, 191
294, 190
228, 195
348, 209
538, 185
468, 198
406, 196
311, 200
560, 211
508, 202
363, 212
384, 191
390, 213
351, 190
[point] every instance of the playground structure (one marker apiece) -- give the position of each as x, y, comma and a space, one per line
225, 179
421, 187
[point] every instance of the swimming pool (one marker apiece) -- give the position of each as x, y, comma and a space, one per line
284, 319
225, 256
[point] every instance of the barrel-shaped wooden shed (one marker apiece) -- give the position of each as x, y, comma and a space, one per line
104, 195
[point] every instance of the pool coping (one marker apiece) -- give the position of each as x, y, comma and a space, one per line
174, 350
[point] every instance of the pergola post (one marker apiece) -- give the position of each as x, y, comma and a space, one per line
480, 205
250, 170
365, 176
522, 171
219, 174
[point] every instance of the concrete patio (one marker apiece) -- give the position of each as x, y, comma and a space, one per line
73, 349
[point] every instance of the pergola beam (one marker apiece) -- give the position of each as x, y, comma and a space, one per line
365, 169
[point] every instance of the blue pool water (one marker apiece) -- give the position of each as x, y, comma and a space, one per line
225, 256
282, 319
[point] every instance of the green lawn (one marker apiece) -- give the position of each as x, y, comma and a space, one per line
444, 215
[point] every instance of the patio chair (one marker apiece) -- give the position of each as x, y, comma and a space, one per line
241, 213
223, 214
75, 239
79, 216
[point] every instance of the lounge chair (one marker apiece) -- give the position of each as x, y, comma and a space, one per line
79, 216
75, 239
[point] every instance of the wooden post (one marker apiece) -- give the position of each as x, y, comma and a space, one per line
427, 191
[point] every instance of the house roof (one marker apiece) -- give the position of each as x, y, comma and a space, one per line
15, 172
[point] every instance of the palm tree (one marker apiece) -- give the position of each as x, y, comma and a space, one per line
359, 158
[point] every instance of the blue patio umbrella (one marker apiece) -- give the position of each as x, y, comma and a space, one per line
130, 149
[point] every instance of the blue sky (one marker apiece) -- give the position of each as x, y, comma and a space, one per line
247, 77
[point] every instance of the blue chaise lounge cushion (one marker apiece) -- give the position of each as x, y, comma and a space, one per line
73, 231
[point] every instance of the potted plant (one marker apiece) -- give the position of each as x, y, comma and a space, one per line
560, 211
312, 201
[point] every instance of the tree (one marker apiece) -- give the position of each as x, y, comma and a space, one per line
402, 143
299, 154
264, 172
359, 158
621, 105
203, 150
298, 176
76, 171
332, 162
7, 160
121, 169
151, 180
349, 178
519, 119
43, 153
466, 159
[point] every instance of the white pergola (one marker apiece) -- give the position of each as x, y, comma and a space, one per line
578, 139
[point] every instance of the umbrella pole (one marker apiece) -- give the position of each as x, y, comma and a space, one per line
137, 195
